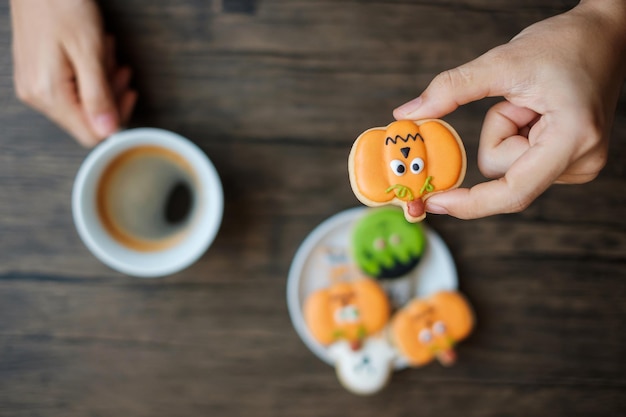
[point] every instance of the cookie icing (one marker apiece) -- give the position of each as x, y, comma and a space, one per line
429, 328
364, 371
348, 311
384, 245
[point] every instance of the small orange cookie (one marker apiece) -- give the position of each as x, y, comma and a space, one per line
348, 311
405, 163
429, 328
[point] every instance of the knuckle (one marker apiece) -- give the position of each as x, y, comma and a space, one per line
519, 201
32, 93
591, 141
592, 154
23, 93
596, 162
22, 87
591, 166
520, 204
444, 79
592, 135
487, 164
454, 78
41, 90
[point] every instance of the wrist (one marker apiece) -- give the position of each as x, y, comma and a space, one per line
610, 12
610, 17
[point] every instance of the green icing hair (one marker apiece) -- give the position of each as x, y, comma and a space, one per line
382, 240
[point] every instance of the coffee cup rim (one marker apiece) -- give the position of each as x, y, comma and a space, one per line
136, 263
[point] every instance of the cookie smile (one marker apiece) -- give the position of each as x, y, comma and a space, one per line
398, 269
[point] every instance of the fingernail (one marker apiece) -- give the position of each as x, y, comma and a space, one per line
105, 124
435, 209
407, 109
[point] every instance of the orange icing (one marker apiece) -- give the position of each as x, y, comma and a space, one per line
378, 152
428, 328
346, 311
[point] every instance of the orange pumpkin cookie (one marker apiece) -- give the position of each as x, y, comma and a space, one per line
429, 328
405, 163
348, 311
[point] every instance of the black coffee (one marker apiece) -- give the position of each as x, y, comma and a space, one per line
145, 198
178, 203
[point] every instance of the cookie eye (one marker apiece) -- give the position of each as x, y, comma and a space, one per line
439, 327
395, 239
398, 167
425, 336
417, 165
379, 244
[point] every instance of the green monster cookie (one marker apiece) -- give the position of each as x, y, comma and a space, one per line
385, 245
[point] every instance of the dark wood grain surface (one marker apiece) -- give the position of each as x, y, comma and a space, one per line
275, 91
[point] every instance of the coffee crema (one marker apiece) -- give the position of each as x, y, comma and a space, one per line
146, 198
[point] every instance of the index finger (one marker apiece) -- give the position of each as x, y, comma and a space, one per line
474, 80
67, 112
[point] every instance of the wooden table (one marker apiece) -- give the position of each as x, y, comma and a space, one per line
275, 91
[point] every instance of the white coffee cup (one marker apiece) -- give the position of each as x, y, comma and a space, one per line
136, 192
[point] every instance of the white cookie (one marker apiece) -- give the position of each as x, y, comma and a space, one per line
364, 371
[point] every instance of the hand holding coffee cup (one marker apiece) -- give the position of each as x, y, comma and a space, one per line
147, 202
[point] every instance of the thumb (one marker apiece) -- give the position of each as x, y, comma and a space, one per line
477, 79
96, 95
529, 176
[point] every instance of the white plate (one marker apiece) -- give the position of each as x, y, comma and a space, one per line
435, 272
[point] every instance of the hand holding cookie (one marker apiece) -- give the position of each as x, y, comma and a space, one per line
561, 79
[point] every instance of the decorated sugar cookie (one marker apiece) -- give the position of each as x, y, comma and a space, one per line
405, 163
385, 245
429, 328
364, 371
349, 311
